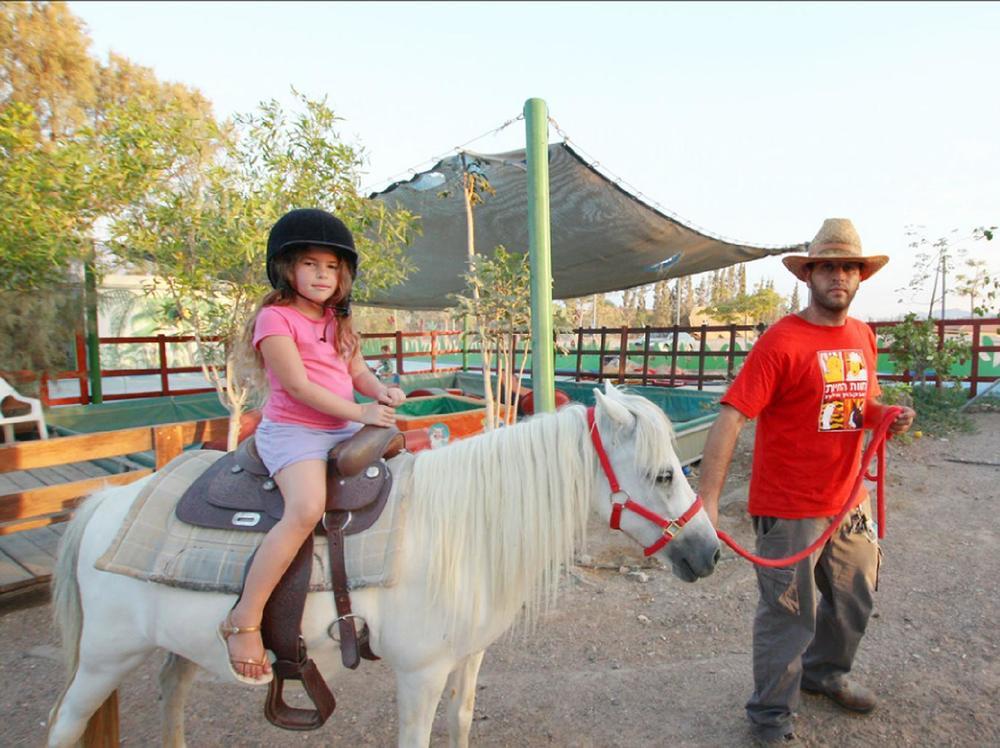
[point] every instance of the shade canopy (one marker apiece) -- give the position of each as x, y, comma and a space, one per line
603, 237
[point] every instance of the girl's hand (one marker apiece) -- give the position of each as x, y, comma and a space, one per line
376, 414
392, 396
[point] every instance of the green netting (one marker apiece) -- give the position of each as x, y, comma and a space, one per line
410, 382
124, 414
439, 405
681, 406
425, 381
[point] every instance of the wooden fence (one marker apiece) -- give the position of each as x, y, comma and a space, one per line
974, 328
613, 344
624, 355
623, 346
402, 345
41, 506
35, 507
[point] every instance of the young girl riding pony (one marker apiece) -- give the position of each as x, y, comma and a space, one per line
302, 339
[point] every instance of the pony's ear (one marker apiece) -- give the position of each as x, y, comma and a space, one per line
618, 413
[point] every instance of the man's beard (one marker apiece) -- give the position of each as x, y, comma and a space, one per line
831, 304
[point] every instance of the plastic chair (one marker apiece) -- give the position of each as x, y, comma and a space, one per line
34, 414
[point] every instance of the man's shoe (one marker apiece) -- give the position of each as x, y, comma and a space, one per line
852, 696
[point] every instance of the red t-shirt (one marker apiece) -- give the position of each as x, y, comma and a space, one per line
807, 386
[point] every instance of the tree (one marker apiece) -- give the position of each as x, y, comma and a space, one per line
794, 304
574, 311
204, 233
500, 303
935, 259
913, 345
990, 287
972, 282
687, 299
47, 67
73, 154
763, 305
663, 304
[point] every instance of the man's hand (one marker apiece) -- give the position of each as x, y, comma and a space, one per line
902, 422
391, 396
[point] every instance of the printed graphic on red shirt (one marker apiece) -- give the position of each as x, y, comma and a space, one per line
845, 389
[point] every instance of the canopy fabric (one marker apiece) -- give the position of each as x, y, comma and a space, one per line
603, 237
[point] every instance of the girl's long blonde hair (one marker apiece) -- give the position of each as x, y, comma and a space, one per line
247, 358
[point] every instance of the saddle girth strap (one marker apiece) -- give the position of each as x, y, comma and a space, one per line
282, 632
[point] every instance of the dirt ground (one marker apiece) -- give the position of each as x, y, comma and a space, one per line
645, 659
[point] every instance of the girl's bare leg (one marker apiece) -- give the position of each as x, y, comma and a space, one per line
303, 486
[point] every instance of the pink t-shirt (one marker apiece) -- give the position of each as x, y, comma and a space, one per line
323, 364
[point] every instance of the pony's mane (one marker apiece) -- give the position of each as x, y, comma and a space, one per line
502, 513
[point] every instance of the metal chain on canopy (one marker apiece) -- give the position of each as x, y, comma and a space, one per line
414, 170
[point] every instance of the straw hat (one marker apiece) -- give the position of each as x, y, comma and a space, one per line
837, 239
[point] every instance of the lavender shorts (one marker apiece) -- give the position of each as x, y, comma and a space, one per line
282, 444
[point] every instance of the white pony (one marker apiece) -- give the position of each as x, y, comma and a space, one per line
491, 521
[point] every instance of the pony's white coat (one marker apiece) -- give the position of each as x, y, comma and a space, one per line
503, 515
491, 522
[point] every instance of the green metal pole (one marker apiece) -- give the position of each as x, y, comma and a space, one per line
93, 344
536, 119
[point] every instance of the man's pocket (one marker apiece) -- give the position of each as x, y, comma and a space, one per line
778, 589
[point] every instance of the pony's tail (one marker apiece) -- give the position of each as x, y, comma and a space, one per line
67, 612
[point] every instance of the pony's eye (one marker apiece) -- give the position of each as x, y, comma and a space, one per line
666, 476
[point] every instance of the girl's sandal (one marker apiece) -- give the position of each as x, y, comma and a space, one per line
227, 629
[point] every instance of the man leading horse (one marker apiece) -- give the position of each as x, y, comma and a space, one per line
810, 381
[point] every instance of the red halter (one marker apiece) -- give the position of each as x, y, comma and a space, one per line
670, 527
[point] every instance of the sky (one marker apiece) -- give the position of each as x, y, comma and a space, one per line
752, 121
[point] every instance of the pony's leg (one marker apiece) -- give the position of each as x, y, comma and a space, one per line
461, 690
91, 685
417, 694
176, 678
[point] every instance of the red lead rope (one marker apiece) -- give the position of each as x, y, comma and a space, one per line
876, 448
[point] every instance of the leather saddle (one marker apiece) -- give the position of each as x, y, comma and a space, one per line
236, 493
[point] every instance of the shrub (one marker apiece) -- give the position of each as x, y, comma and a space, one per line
938, 411
914, 346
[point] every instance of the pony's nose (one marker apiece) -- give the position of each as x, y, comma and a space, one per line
717, 556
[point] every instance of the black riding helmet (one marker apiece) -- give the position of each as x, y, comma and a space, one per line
309, 226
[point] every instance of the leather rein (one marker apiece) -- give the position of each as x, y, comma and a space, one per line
620, 500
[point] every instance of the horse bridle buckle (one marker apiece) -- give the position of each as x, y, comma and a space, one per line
672, 529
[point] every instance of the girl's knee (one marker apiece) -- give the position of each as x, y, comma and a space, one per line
304, 516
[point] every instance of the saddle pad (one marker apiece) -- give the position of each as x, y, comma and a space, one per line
155, 546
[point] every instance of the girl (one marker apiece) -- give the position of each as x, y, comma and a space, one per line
301, 337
